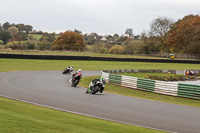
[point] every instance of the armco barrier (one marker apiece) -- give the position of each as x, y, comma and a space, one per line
189, 91
167, 88
106, 76
128, 81
115, 79
65, 57
145, 84
162, 87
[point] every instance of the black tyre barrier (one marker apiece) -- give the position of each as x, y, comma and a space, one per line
62, 57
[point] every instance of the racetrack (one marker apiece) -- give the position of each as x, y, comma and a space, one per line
52, 88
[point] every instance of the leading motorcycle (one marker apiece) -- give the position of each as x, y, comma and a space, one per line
67, 70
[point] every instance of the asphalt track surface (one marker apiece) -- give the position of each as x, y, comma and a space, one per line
52, 88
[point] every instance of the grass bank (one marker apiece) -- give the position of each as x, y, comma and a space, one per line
34, 65
26, 118
142, 94
158, 76
72, 53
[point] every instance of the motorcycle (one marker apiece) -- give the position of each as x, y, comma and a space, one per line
97, 86
71, 69
67, 70
76, 79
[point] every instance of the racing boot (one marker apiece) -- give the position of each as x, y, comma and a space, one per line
101, 90
88, 91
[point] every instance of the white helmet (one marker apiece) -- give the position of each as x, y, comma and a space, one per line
79, 70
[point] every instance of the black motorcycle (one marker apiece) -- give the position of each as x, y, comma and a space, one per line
76, 79
67, 70
97, 86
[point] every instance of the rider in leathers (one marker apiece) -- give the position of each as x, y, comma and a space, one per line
93, 83
76, 73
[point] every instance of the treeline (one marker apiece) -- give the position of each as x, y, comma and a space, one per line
14, 32
165, 36
21, 36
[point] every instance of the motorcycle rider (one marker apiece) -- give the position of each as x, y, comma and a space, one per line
65, 71
76, 73
71, 68
93, 82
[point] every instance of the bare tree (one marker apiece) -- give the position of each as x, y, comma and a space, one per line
129, 32
160, 26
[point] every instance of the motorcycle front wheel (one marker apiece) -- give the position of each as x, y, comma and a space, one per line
95, 90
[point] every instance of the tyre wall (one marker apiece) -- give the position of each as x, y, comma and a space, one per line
155, 86
62, 57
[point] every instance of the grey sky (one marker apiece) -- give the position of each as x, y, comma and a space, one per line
100, 16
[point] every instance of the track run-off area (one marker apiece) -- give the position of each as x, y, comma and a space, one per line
52, 89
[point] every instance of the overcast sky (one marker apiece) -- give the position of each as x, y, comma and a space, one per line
100, 16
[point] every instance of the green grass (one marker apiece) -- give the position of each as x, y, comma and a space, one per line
142, 94
21, 117
72, 53
157, 76
143, 75
36, 36
29, 65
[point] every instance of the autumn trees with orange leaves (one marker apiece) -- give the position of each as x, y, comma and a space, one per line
69, 40
184, 35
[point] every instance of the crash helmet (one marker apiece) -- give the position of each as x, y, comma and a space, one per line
79, 70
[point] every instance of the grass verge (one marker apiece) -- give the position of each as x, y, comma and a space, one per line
26, 118
142, 94
29, 65
158, 76
72, 53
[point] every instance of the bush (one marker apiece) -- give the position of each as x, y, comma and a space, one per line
69, 39
117, 49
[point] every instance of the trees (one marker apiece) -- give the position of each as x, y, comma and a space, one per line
21, 27
13, 30
160, 26
6, 25
129, 32
116, 36
50, 37
5, 36
184, 35
77, 31
99, 47
69, 39
159, 29
0, 28
16, 35
28, 28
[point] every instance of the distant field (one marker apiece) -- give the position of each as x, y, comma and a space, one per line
30, 64
36, 36
48, 52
